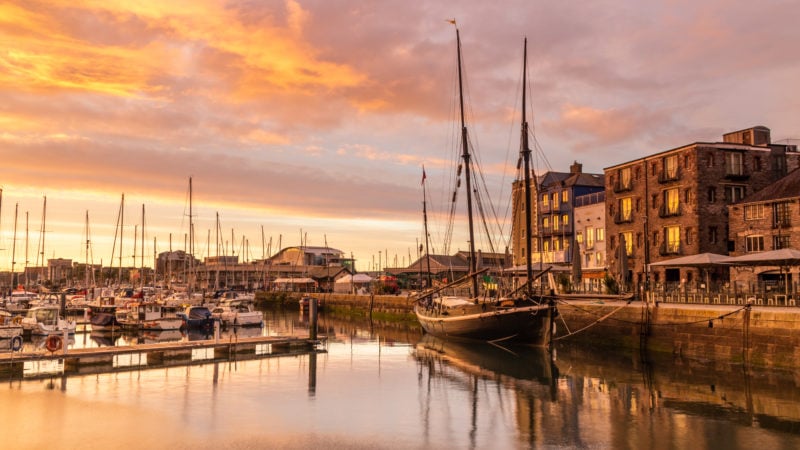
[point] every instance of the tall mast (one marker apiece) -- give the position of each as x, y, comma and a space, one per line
141, 266
191, 240
26, 247
466, 156
216, 237
425, 221
121, 227
14, 248
155, 261
135, 241
526, 157
86, 260
42, 237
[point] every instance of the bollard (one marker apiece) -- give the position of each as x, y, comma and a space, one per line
312, 318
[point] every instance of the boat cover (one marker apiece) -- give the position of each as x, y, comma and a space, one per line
199, 314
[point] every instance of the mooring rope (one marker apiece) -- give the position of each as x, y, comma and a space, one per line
710, 321
593, 323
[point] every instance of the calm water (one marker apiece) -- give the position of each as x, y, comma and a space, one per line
385, 388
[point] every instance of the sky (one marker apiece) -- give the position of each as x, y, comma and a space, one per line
310, 121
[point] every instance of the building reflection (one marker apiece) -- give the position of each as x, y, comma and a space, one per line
615, 399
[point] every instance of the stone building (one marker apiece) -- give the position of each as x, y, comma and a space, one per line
766, 220
553, 225
674, 203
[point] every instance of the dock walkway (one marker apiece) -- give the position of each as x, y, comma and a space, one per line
83, 361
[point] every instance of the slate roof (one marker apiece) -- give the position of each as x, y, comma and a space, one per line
785, 188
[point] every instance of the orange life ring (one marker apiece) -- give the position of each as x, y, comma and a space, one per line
16, 320
54, 343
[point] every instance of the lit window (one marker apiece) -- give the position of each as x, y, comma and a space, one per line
628, 242
625, 209
672, 239
671, 167
671, 202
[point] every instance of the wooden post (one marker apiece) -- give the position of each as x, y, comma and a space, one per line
312, 318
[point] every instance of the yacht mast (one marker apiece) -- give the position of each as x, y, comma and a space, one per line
466, 156
425, 221
14, 279
526, 157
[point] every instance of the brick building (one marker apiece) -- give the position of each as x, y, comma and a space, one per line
767, 220
674, 203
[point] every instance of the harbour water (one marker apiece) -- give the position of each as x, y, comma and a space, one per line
387, 387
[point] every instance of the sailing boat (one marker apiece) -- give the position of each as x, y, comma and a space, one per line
526, 319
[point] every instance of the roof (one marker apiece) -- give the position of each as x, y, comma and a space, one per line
785, 188
699, 260
357, 278
699, 144
326, 271
585, 179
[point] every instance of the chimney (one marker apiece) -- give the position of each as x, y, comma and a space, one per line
576, 167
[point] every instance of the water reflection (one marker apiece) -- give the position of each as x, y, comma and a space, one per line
514, 381
385, 386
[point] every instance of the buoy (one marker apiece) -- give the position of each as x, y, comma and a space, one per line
54, 343
16, 343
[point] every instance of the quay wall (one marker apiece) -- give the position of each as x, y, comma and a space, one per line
392, 304
757, 335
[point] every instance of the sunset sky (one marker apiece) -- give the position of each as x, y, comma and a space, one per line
315, 118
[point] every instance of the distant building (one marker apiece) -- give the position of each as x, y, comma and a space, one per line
309, 256
445, 268
553, 219
674, 203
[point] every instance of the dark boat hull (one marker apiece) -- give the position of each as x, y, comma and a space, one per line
522, 324
104, 321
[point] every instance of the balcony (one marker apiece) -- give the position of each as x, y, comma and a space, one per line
736, 173
669, 175
558, 256
623, 185
557, 231
623, 217
670, 248
667, 210
781, 222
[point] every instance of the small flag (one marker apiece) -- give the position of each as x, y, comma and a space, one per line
453, 21
423, 175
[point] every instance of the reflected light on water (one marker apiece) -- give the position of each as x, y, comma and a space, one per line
390, 389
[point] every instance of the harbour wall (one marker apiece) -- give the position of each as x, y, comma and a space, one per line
752, 335
755, 335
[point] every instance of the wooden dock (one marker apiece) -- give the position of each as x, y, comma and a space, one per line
66, 362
